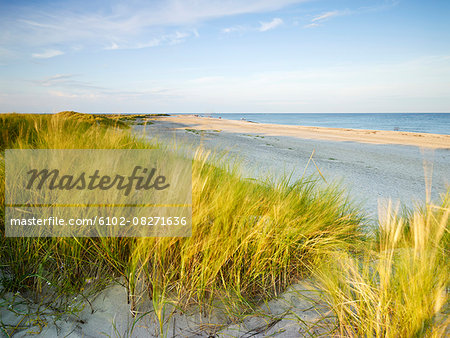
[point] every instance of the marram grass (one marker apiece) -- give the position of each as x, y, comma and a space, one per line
250, 240
399, 287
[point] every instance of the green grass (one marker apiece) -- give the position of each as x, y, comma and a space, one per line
195, 131
250, 240
398, 287
63, 130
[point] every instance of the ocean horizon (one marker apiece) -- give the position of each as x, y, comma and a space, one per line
431, 123
434, 123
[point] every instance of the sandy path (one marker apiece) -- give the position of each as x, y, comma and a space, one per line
318, 133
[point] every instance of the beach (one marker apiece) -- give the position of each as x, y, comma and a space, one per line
281, 245
225, 169
373, 166
433, 141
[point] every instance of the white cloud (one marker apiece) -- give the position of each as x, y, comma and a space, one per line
113, 46
71, 95
360, 88
371, 87
66, 81
49, 53
55, 79
168, 39
320, 18
237, 28
326, 15
67, 85
123, 23
311, 25
265, 26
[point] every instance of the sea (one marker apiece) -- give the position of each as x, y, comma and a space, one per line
435, 123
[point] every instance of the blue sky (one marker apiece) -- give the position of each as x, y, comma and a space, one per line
225, 56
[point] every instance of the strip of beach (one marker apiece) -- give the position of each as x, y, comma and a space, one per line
434, 141
374, 166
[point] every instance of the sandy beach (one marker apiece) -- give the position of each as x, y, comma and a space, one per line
434, 141
370, 171
373, 166
221, 169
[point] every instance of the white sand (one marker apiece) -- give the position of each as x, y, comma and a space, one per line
295, 313
370, 170
316, 133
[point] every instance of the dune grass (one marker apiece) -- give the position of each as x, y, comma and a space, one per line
398, 288
63, 130
250, 239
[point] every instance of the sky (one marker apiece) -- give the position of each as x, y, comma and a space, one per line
213, 56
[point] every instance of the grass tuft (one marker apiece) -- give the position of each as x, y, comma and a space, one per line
398, 288
250, 239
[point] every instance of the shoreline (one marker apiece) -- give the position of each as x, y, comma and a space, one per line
425, 140
371, 173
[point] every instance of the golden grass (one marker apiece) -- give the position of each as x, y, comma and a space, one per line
399, 287
250, 239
